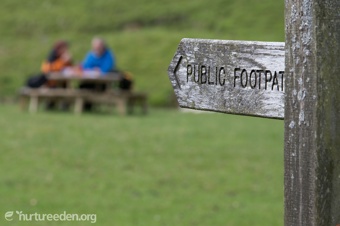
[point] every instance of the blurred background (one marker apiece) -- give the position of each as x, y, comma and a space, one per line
165, 168
143, 34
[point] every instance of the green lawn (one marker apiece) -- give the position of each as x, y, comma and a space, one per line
166, 168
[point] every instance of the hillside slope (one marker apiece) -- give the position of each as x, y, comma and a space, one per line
144, 34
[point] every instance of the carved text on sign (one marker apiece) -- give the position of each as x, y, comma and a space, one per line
255, 78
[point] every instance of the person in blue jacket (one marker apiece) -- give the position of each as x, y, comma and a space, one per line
100, 59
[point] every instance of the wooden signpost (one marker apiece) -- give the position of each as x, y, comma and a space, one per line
298, 81
236, 77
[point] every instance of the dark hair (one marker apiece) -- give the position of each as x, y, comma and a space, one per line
54, 54
60, 44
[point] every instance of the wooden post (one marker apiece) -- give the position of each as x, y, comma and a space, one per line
33, 104
312, 113
78, 105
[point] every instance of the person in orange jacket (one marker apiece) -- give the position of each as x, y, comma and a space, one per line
58, 59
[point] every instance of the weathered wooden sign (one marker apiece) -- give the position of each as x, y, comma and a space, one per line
248, 78
237, 77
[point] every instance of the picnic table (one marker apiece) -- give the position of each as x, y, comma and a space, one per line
70, 92
76, 79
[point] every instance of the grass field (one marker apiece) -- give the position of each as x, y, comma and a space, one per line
167, 168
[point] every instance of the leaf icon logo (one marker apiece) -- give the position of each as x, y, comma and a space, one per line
9, 215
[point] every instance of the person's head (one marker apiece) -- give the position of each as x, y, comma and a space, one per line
98, 46
60, 47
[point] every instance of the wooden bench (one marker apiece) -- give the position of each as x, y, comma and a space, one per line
124, 100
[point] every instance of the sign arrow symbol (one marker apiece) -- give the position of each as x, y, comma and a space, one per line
176, 69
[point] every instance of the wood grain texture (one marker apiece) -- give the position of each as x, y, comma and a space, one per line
312, 113
236, 77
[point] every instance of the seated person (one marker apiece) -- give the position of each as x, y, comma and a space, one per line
58, 59
100, 60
